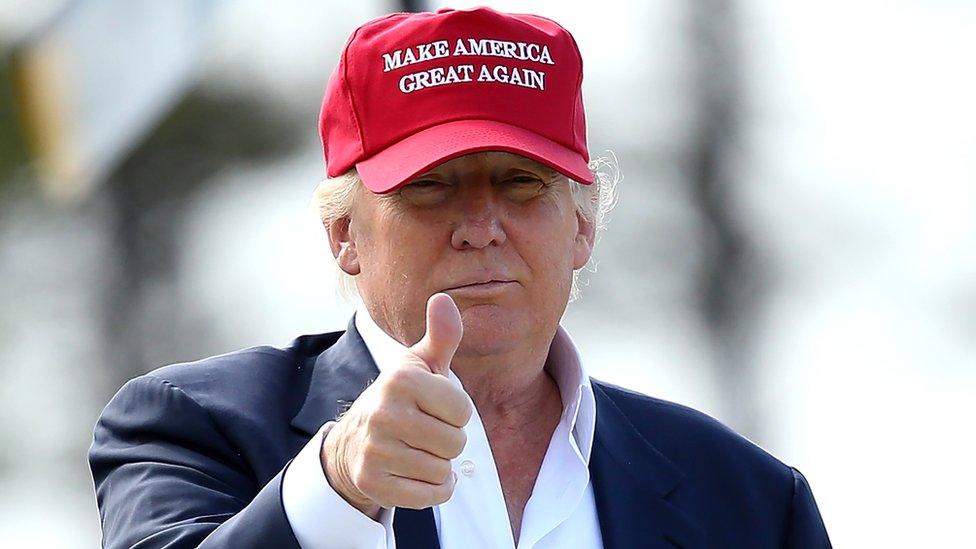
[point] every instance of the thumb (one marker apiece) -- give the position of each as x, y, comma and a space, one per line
443, 334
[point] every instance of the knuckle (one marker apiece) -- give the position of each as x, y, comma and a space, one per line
373, 459
388, 391
382, 419
403, 378
369, 458
458, 441
373, 420
442, 471
466, 412
367, 483
359, 478
442, 493
396, 376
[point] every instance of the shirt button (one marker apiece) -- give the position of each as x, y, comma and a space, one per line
467, 467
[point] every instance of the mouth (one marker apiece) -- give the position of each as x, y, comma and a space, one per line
482, 288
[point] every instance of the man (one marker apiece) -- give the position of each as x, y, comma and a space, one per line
454, 411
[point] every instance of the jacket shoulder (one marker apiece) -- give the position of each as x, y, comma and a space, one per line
264, 378
728, 478
694, 440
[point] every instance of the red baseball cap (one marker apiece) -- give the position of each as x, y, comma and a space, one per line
414, 90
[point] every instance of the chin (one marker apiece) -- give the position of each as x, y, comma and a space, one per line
492, 329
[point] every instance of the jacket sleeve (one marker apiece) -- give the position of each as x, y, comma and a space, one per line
165, 476
806, 529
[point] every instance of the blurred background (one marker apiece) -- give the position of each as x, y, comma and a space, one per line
792, 252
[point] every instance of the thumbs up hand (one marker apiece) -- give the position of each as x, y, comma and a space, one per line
444, 329
394, 445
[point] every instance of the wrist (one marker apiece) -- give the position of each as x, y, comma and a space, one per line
337, 475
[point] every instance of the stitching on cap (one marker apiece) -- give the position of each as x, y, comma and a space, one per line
579, 80
345, 84
345, 74
577, 104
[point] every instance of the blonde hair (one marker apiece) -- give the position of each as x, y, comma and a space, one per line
335, 197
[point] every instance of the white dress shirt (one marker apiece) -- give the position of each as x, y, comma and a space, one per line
561, 512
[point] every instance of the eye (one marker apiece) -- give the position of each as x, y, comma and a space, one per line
425, 183
522, 186
426, 192
526, 179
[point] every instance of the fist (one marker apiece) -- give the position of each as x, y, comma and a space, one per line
393, 446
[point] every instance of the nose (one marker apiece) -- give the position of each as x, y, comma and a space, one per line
479, 225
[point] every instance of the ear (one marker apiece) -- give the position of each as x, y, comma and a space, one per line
343, 245
583, 244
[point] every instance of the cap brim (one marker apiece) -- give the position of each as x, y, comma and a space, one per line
393, 167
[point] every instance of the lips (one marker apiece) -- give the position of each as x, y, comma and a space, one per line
484, 283
484, 279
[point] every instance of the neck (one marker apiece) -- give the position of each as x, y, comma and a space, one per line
519, 405
509, 388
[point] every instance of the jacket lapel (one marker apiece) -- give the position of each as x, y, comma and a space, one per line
631, 484
340, 374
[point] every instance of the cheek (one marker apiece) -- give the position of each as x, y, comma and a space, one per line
547, 243
395, 279
400, 253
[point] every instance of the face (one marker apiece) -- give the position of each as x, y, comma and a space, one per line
497, 232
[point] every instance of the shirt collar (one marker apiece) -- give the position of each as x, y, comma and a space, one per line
563, 363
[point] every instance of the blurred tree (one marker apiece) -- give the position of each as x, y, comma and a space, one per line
412, 5
147, 197
13, 143
729, 284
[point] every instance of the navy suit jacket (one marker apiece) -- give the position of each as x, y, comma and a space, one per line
193, 455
